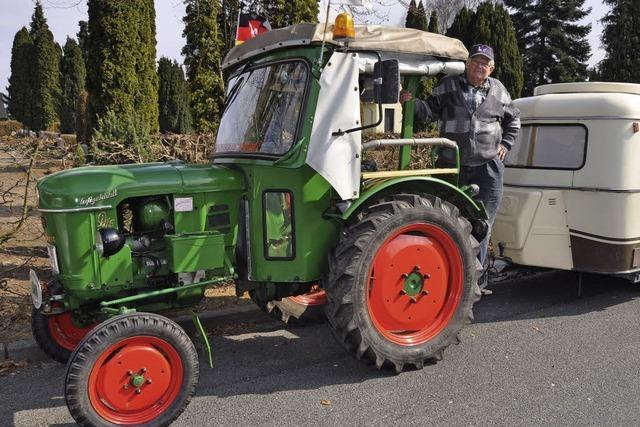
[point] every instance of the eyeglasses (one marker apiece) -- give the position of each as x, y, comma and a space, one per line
483, 65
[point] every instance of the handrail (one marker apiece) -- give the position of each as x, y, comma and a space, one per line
438, 142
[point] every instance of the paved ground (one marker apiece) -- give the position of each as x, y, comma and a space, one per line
537, 355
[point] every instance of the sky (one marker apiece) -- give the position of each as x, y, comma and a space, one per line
63, 17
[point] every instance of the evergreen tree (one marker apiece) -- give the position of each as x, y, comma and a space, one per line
433, 27
553, 44
621, 42
83, 37
492, 26
203, 60
20, 93
45, 74
72, 83
461, 27
147, 93
82, 124
173, 96
417, 17
121, 74
412, 15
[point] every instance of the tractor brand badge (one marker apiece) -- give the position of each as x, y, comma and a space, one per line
104, 221
92, 200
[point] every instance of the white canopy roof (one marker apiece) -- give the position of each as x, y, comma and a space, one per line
403, 42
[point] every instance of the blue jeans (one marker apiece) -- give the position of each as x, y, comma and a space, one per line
489, 178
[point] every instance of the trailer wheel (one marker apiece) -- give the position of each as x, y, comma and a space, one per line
57, 335
300, 309
403, 281
133, 369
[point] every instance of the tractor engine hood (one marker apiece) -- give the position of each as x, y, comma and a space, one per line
101, 186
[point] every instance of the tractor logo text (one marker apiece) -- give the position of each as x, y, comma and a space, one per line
92, 200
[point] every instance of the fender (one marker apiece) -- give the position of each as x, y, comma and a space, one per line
446, 191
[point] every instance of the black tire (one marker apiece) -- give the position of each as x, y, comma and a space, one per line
290, 310
42, 335
101, 345
351, 281
57, 347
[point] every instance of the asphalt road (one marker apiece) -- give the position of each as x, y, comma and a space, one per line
537, 355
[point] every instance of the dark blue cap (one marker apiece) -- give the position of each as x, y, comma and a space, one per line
481, 49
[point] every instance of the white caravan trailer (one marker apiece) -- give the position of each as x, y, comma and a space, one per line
572, 182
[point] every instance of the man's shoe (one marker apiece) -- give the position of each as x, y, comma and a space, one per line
485, 291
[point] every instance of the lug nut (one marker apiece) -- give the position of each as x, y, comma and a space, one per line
426, 276
126, 386
130, 372
149, 381
138, 391
425, 292
143, 370
404, 275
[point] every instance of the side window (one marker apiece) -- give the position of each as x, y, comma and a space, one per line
549, 147
278, 225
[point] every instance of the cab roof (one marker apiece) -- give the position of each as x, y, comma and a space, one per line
416, 44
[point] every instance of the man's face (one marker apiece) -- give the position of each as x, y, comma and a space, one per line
478, 69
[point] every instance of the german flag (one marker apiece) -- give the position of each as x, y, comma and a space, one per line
250, 25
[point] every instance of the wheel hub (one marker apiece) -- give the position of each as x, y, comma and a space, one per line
414, 282
137, 380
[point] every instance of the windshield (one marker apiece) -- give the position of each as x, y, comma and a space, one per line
262, 109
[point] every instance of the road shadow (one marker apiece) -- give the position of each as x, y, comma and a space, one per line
553, 294
296, 358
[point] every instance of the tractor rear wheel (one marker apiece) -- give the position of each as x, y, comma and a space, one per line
403, 281
133, 369
300, 309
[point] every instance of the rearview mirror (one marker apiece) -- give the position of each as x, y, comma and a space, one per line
387, 91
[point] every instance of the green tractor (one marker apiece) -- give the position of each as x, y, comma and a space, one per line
285, 210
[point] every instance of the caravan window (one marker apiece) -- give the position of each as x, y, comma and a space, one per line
549, 147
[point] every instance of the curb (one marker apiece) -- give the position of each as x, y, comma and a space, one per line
28, 349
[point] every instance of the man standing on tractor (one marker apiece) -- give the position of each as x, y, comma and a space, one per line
475, 111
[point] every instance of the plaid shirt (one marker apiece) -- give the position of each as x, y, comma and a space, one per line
474, 95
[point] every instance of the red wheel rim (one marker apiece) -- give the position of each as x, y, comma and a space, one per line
316, 297
64, 332
415, 284
135, 380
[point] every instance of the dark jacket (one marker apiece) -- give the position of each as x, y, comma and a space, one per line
495, 121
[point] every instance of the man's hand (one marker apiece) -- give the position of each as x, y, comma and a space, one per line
502, 152
405, 96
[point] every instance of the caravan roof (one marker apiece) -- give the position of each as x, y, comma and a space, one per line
582, 101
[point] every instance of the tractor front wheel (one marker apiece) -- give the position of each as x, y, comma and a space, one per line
57, 334
133, 369
403, 281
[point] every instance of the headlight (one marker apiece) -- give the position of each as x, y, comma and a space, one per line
109, 241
